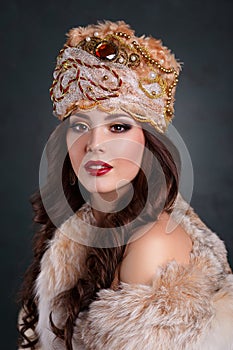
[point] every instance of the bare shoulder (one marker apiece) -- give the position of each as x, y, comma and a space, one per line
156, 247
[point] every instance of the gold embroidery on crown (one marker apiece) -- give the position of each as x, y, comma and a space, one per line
115, 50
119, 49
132, 60
143, 83
88, 90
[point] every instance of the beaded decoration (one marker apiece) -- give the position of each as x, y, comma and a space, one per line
103, 66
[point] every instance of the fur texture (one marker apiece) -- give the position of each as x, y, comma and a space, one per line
181, 311
187, 308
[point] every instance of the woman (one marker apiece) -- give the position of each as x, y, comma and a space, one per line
107, 272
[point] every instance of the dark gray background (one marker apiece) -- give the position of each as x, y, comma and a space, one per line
199, 32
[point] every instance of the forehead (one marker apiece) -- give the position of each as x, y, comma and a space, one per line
97, 117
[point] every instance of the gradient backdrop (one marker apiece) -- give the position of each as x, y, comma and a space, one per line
32, 32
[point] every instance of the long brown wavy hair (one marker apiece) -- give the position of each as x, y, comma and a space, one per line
101, 263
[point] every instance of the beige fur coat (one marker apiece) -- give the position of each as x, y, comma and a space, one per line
188, 307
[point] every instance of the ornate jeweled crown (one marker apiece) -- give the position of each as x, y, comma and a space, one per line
106, 66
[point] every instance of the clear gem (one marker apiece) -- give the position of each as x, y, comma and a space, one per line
152, 75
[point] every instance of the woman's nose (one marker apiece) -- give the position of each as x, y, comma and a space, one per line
96, 139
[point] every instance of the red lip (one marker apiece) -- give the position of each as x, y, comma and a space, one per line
91, 164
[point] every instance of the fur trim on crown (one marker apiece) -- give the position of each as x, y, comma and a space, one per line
154, 46
75, 35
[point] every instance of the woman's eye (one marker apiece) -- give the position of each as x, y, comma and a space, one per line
79, 127
120, 127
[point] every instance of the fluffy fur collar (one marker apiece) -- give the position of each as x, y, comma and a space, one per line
187, 307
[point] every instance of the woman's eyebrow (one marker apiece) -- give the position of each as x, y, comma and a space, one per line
117, 115
80, 115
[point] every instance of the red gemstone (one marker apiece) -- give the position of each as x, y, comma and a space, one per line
106, 50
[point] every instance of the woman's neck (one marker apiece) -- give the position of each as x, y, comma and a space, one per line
104, 203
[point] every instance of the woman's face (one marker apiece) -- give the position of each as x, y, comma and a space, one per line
105, 149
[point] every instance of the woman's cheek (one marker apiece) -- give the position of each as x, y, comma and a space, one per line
125, 170
76, 158
131, 152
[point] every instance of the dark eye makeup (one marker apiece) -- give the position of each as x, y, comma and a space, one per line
81, 127
120, 127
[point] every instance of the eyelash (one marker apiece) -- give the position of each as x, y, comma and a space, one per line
75, 126
122, 125
126, 127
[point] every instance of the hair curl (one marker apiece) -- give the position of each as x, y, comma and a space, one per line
101, 263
